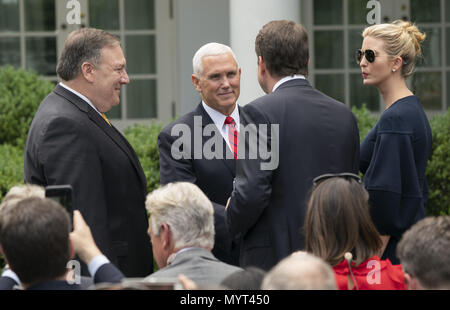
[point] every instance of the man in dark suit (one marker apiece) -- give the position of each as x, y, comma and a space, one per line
34, 239
71, 141
206, 155
306, 133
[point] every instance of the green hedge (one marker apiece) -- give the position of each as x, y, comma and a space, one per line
11, 167
143, 138
438, 168
21, 92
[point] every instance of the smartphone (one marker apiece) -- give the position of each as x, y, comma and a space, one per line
62, 194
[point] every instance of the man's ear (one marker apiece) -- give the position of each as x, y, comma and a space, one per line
87, 70
196, 82
166, 235
261, 65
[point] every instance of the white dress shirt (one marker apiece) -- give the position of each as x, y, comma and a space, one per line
219, 120
288, 78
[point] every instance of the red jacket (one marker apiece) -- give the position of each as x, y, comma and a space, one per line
373, 274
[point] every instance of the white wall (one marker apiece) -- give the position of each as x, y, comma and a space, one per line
246, 19
198, 22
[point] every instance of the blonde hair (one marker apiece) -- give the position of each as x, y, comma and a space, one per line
401, 38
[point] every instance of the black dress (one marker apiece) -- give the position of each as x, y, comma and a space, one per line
393, 159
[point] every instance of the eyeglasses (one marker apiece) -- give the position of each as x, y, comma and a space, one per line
345, 175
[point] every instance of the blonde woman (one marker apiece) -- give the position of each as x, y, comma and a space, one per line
395, 152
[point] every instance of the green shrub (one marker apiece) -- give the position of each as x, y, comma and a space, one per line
438, 169
21, 92
365, 120
143, 138
11, 167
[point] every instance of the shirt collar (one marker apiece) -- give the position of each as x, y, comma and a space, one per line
288, 78
219, 118
79, 95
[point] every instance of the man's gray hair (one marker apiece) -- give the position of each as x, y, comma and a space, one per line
210, 49
424, 252
20, 192
186, 210
300, 271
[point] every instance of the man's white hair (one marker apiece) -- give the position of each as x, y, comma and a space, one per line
210, 49
21, 192
300, 271
186, 210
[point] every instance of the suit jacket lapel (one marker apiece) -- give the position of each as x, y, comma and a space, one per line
206, 120
111, 131
121, 142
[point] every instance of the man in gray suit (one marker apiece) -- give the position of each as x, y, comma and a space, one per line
182, 234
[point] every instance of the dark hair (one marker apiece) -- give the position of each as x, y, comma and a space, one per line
84, 44
248, 279
424, 252
338, 221
34, 235
283, 45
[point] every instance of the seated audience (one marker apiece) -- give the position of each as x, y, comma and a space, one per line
182, 234
424, 252
300, 271
248, 279
338, 228
34, 240
9, 279
181, 228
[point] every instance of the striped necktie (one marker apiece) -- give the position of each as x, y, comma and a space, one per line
232, 134
105, 118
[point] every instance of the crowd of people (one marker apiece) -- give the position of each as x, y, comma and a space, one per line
268, 196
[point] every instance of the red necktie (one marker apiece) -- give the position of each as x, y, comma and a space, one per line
232, 134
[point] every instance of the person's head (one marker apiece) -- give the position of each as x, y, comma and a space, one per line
300, 271
217, 77
424, 252
93, 60
34, 238
181, 216
20, 192
338, 221
282, 50
389, 50
248, 279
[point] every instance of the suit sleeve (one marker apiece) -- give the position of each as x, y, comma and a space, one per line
108, 273
253, 189
67, 155
171, 169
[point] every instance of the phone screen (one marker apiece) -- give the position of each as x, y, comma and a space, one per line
62, 194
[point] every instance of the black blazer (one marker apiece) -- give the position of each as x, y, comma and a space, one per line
317, 135
70, 143
213, 176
